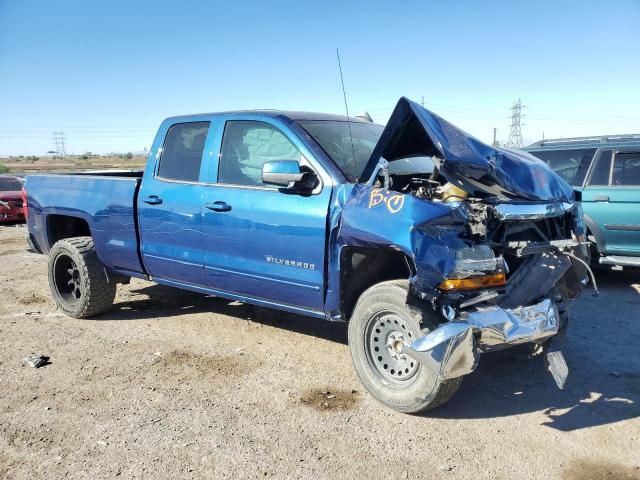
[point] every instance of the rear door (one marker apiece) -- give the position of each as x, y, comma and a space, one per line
263, 242
170, 204
612, 200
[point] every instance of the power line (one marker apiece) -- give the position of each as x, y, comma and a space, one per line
59, 144
99, 135
515, 134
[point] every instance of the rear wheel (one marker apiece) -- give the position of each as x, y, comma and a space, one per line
77, 279
381, 323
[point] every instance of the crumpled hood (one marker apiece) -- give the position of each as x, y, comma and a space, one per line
463, 160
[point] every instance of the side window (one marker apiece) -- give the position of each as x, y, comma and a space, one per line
182, 151
626, 169
246, 146
601, 169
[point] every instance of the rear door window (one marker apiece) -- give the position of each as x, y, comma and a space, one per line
571, 165
182, 151
626, 169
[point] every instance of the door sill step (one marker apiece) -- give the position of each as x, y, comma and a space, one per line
620, 260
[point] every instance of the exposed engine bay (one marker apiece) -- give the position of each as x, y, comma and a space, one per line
525, 251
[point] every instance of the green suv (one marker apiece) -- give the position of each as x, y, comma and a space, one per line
607, 171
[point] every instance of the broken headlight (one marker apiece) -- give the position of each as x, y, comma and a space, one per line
475, 267
475, 260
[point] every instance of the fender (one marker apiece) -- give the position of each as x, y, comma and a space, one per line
596, 231
367, 216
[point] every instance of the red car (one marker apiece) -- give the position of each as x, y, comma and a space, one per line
10, 199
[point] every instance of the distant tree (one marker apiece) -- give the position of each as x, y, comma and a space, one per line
128, 156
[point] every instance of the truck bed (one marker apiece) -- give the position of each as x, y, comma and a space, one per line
108, 173
104, 200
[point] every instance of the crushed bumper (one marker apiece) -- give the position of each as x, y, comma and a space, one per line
453, 348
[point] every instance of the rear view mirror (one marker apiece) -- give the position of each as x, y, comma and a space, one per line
287, 174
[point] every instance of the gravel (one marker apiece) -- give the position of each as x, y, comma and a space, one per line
173, 384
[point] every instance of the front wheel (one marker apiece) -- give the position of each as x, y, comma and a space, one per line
381, 323
77, 278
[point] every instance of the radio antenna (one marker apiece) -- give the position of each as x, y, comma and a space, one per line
346, 107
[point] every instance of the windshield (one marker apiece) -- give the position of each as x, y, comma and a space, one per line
571, 165
10, 185
411, 166
333, 137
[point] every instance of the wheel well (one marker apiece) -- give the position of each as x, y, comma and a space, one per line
592, 229
361, 268
64, 226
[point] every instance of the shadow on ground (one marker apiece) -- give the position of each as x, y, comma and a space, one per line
601, 350
504, 385
158, 301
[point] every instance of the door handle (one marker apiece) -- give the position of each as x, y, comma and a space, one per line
601, 198
218, 206
152, 200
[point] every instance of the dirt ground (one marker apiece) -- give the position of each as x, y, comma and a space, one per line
75, 163
173, 384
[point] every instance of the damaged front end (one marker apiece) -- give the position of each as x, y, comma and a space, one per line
512, 286
453, 348
496, 238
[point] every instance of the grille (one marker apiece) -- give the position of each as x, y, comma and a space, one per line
557, 228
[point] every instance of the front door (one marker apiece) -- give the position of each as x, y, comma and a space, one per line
263, 242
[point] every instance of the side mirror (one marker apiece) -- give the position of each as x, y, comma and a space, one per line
287, 174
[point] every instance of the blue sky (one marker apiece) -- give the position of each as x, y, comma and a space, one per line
107, 72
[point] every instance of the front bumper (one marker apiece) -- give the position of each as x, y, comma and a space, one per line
453, 348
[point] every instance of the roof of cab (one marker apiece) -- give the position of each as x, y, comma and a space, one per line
284, 115
630, 140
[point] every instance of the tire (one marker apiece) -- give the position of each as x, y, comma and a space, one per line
77, 279
382, 315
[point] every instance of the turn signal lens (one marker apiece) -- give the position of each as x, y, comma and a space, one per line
495, 280
25, 203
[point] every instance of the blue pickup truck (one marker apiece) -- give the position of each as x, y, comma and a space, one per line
433, 246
